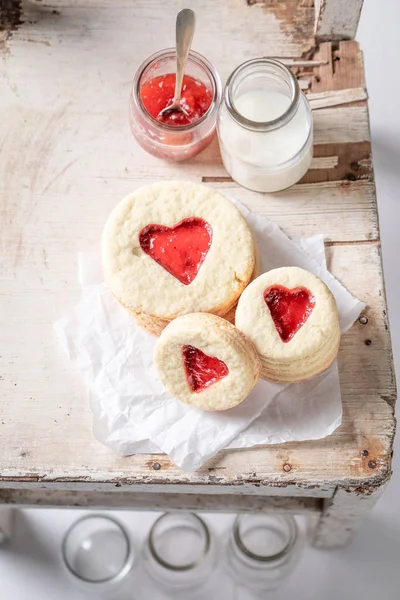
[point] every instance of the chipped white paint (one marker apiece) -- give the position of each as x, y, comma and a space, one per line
304, 84
337, 19
291, 62
342, 515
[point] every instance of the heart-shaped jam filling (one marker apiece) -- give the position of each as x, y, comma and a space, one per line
180, 250
289, 309
202, 370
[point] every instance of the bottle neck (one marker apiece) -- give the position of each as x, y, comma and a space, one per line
258, 78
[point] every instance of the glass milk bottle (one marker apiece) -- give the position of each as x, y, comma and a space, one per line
265, 127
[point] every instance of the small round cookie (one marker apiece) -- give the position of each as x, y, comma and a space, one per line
206, 362
172, 248
291, 317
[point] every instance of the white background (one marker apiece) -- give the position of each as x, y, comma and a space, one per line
370, 567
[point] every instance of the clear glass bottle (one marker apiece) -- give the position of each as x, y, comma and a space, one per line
263, 550
174, 143
181, 554
98, 554
265, 126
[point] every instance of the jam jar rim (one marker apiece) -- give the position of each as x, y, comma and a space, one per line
262, 125
199, 59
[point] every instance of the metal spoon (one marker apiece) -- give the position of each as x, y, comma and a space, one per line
185, 24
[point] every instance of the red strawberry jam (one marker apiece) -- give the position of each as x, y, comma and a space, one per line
158, 93
202, 370
289, 308
180, 250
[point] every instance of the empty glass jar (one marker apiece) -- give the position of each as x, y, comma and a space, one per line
98, 553
180, 552
263, 550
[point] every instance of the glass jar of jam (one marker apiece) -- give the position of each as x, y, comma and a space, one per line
174, 136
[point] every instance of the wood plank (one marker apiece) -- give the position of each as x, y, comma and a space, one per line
352, 128
150, 501
173, 484
316, 208
320, 100
299, 62
324, 162
337, 19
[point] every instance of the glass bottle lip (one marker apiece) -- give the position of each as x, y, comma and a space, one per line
293, 535
129, 557
188, 566
263, 125
171, 53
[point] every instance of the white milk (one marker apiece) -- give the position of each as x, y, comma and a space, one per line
266, 161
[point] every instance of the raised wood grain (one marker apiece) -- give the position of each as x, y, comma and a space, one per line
336, 98
322, 206
342, 67
67, 157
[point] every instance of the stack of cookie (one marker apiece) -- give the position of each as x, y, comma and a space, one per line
174, 248
181, 259
291, 317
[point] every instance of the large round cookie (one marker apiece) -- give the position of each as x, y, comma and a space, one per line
172, 248
206, 362
291, 317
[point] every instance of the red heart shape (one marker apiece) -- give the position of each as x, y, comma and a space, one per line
180, 250
289, 309
202, 370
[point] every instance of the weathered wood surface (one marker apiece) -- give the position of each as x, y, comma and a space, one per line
342, 515
66, 158
151, 501
336, 98
337, 19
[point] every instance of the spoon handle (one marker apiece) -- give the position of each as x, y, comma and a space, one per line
185, 24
